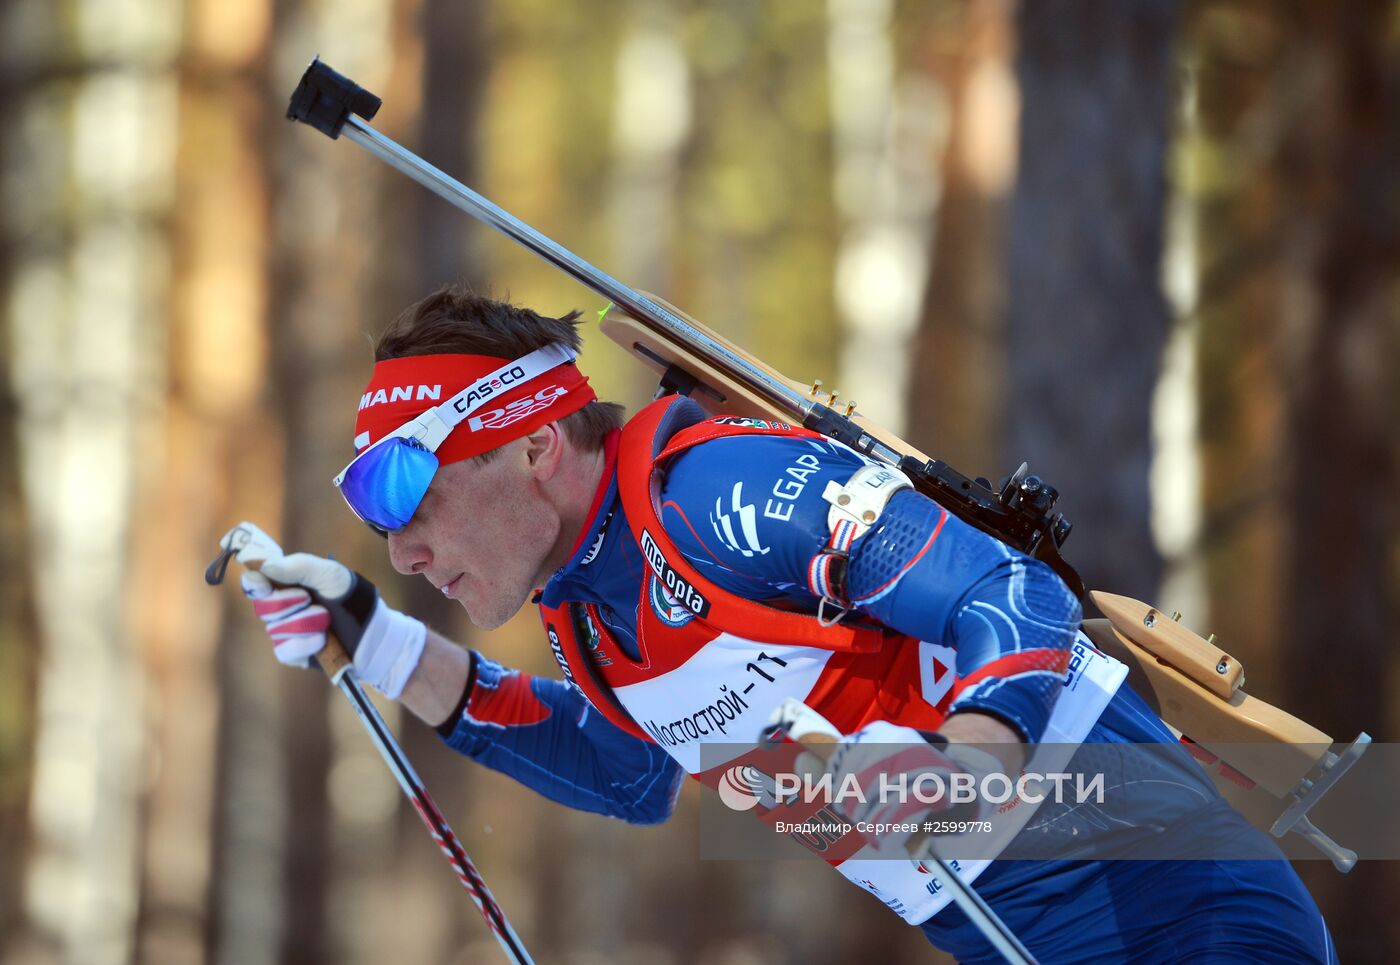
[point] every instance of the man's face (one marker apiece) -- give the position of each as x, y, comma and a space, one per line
483, 534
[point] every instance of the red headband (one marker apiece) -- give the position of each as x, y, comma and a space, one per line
404, 388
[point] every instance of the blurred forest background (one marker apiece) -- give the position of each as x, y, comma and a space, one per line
1151, 247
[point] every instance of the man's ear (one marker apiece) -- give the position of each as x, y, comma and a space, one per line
544, 450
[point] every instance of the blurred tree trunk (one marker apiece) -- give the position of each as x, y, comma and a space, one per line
86, 193
756, 192
1087, 321
1300, 234
1340, 417
278, 820
19, 636
19, 640
207, 477
456, 65
315, 364
447, 41
1342, 389
956, 398
885, 120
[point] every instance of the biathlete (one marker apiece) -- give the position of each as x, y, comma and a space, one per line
689, 571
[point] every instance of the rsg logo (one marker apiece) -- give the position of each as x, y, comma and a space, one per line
513, 412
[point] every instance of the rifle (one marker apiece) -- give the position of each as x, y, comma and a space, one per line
1196, 687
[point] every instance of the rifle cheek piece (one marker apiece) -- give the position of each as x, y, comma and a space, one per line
325, 100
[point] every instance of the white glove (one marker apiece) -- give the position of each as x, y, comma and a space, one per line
904, 778
300, 597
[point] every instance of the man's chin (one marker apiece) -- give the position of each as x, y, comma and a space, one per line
492, 619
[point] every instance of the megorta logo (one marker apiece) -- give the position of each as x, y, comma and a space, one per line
557, 649
676, 586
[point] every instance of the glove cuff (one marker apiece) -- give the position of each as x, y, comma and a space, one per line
351, 613
389, 649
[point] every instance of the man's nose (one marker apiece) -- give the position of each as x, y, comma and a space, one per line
406, 554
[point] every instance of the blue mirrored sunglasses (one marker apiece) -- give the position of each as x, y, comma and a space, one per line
384, 485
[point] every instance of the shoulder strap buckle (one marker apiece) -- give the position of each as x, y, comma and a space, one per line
826, 621
859, 503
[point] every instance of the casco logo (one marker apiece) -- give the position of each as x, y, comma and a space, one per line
740, 786
515, 411
486, 388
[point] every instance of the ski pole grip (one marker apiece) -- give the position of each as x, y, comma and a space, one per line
818, 744
333, 659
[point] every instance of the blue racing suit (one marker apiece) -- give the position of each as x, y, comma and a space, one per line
740, 514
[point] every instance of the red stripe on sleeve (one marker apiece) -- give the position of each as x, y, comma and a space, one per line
511, 703
1054, 661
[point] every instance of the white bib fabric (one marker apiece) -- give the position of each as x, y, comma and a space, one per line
728, 689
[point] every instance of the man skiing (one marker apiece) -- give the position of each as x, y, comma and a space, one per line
693, 575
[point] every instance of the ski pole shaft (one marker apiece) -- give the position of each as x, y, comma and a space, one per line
337, 666
980, 913
973, 905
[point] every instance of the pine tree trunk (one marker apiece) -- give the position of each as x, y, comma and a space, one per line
956, 397
19, 649
1299, 108
1087, 319
1339, 575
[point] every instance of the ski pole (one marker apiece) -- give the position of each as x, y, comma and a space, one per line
250, 547
335, 662
819, 743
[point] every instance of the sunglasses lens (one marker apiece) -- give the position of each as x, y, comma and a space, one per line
386, 483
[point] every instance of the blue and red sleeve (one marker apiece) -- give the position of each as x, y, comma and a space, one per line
1011, 619
544, 734
748, 511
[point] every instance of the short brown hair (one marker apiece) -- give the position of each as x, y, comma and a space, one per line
455, 320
